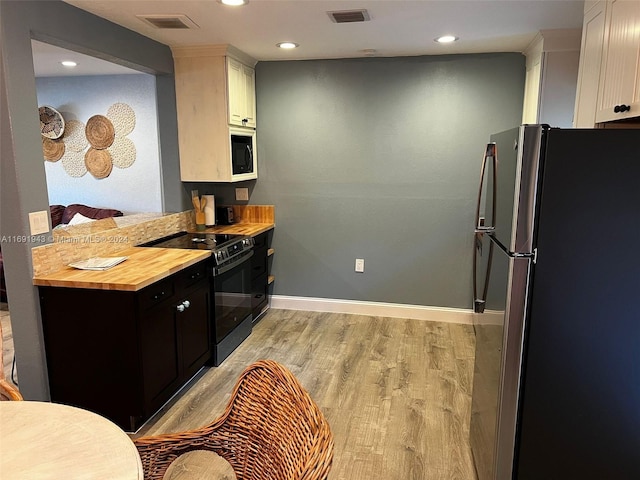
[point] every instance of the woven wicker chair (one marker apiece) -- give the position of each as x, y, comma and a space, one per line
271, 429
8, 391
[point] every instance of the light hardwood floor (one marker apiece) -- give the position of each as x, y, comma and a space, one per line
396, 392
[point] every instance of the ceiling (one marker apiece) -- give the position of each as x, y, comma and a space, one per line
47, 58
395, 28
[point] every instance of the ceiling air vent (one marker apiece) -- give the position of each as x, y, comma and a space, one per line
349, 16
168, 21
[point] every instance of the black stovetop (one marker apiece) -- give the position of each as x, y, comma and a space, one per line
201, 241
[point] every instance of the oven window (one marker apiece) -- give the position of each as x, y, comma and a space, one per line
232, 292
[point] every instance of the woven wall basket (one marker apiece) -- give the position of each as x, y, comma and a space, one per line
100, 132
74, 137
52, 149
98, 162
123, 118
51, 122
73, 163
123, 152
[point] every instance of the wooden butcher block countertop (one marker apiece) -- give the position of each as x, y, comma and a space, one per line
251, 229
145, 265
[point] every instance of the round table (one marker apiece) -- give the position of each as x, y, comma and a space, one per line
41, 440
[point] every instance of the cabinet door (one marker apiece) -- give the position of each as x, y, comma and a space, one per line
235, 91
193, 325
158, 349
241, 91
249, 80
590, 64
619, 80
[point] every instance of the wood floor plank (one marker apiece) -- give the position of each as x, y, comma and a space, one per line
395, 391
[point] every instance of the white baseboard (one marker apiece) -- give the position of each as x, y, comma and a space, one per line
376, 309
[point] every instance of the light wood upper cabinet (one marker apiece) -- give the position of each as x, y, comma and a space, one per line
619, 91
242, 94
215, 94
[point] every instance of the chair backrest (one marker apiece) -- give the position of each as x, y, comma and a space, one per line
277, 424
8, 391
271, 428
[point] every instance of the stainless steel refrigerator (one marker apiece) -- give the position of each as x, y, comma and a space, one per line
556, 389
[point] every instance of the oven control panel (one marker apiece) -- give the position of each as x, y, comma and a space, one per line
226, 253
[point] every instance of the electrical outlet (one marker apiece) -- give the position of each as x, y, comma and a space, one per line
38, 222
360, 265
242, 194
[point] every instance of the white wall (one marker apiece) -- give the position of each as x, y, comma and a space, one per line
552, 76
134, 189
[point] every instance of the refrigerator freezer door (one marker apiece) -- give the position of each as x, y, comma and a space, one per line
580, 413
498, 360
517, 173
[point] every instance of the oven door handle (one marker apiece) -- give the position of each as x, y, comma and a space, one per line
226, 268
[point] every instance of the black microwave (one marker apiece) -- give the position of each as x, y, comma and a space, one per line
242, 152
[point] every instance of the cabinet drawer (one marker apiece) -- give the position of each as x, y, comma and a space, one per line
192, 275
259, 292
156, 293
259, 262
260, 240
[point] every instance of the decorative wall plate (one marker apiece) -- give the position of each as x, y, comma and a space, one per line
74, 137
52, 149
123, 152
51, 122
123, 118
100, 132
73, 163
98, 162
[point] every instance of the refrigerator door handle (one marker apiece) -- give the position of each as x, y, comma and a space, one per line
510, 254
485, 230
480, 229
489, 153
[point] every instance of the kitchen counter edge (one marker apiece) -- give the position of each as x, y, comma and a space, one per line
144, 266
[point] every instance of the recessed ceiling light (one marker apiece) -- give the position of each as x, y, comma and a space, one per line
234, 3
446, 39
287, 45
69, 63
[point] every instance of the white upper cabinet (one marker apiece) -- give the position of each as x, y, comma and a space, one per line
609, 78
619, 92
242, 94
590, 61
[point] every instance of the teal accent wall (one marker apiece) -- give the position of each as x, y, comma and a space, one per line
379, 158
